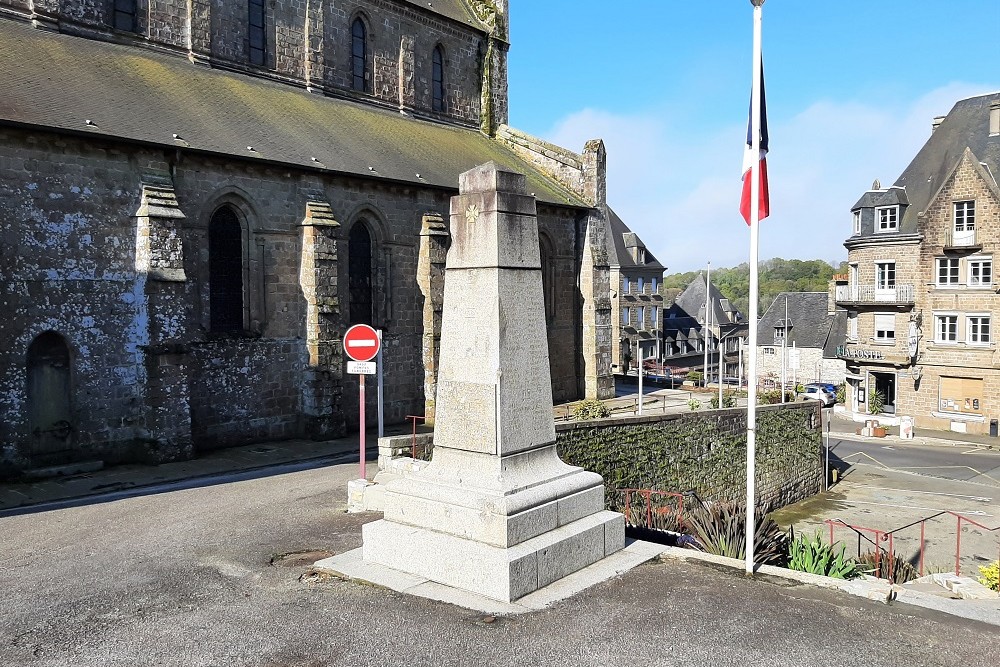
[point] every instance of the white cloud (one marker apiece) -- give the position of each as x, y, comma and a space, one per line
680, 191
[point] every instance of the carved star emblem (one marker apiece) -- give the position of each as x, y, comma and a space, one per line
472, 214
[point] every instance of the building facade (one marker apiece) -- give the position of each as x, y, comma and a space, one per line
198, 199
701, 317
636, 300
922, 292
804, 345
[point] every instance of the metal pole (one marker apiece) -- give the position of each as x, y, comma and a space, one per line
784, 342
381, 398
754, 252
361, 427
708, 281
826, 476
640, 380
718, 364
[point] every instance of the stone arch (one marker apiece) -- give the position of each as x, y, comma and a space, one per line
546, 254
360, 63
49, 388
361, 254
252, 249
439, 84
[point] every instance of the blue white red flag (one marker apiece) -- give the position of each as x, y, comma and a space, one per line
763, 207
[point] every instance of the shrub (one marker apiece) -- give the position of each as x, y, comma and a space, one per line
876, 402
694, 404
772, 397
841, 392
721, 529
990, 575
728, 400
894, 569
815, 556
696, 377
591, 409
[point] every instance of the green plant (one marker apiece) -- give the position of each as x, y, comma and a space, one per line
694, 404
841, 392
728, 400
880, 565
876, 402
696, 377
721, 529
813, 555
773, 396
990, 575
591, 409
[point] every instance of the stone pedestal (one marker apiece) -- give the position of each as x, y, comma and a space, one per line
496, 512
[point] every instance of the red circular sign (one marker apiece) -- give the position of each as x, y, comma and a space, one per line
361, 343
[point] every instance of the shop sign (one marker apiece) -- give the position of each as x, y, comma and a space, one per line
911, 342
859, 353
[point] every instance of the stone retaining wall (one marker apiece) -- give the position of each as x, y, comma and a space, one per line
704, 452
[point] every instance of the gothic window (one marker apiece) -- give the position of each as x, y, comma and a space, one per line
359, 267
437, 79
258, 39
123, 15
225, 271
359, 55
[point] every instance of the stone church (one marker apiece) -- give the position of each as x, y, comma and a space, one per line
197, 199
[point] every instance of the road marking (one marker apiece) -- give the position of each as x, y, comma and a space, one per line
930, 493
917, 507
889, 448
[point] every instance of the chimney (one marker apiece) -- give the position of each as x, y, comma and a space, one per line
995, 118
935, 123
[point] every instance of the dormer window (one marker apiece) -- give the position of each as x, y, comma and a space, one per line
640, 256
888, 218
779, 335
965, 216
857, 222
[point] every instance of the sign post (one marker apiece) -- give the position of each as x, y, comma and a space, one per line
362, 344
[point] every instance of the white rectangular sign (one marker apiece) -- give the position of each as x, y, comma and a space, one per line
361, 367
793, 359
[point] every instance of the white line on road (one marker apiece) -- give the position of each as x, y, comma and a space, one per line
931, 493
917, 507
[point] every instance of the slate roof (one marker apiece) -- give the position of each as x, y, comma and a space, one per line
965, 126
810, 324
60, 81
692, 302
620, 256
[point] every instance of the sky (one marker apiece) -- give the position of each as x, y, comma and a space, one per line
852, 88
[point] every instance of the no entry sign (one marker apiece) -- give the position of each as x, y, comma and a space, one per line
361, 343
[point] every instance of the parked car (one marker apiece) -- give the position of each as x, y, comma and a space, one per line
829, 386
819, 393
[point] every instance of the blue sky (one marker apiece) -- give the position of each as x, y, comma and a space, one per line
852, 87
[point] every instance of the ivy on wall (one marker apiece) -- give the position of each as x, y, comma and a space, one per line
702, 452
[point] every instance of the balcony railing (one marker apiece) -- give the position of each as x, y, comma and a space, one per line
962, 239
871, 294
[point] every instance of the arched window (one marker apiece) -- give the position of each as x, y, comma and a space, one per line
437, 79
225, 271
256, 32
123, 15
359, 55
547, 257
359, 267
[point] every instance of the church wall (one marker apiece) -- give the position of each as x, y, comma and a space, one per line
68, 239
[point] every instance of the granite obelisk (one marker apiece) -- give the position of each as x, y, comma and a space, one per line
496, 512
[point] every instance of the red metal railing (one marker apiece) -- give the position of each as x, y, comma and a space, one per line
413, 440
887, 536
649, 495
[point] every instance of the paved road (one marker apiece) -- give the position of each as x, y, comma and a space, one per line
185, 577
959, 461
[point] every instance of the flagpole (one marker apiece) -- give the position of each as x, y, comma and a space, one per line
704, 328
754, 252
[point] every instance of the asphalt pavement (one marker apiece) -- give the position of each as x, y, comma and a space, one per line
220, 575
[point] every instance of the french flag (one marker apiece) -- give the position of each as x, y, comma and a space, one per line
763, 207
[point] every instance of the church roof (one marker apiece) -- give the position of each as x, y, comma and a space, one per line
59, 82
